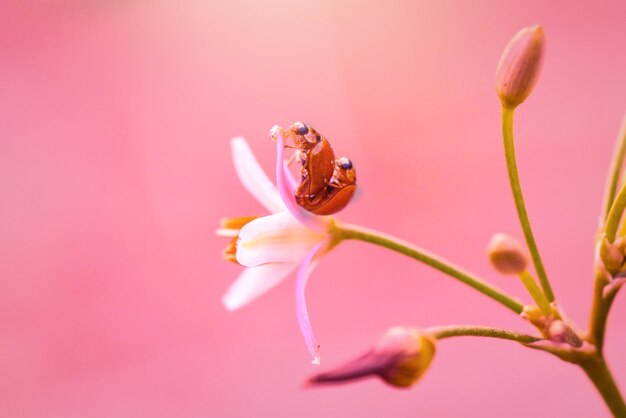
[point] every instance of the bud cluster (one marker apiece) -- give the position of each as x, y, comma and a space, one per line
611, 260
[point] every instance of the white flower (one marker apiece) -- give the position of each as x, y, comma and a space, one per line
271, 247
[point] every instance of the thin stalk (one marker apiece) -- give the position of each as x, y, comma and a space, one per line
622, 230
617, 161
479, 331
511, 165
536, 293
599, 310
345, 231
615, 214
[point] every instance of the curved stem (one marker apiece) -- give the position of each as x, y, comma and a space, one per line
511, 165
616, 166
479, 331
345, 231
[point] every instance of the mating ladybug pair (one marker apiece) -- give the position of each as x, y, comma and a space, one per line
327, 184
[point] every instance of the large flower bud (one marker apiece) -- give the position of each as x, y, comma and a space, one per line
519, 67
400, 358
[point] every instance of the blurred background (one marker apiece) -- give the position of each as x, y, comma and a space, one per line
115, 169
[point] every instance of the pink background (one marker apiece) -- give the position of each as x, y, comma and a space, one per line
115, 169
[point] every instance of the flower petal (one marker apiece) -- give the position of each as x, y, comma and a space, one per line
277, 238
284, 183
253, 177
302, 313
290, 182
253, 282
368, 364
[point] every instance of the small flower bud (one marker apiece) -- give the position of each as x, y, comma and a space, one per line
612, 256
613, 286
560, 332
506, 254
519, 66
620, 244
400, 358
534, 315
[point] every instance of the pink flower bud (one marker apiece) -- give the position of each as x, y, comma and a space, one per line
560, 332
612, 255
506, 254
519, 66
400, 358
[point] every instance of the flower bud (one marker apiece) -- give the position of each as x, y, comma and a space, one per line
611, 254
506, 254
400, 358
613, 286
534, 315
560, 332
519, 67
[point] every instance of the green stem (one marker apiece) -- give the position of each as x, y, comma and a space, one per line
599, 373
615, 214
599, 310
345, 231
536, 293
612, 210
479, 331
622, 230
511, 165
616, 166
